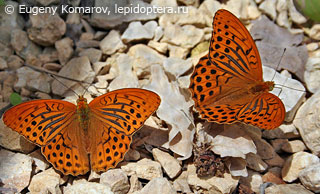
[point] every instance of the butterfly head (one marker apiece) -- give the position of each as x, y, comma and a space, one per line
82, 103
270, 85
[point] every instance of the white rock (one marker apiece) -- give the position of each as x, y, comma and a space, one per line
177, 66
315, 32
180, 184
161, 47
33, 80
126, 78
77, 68
178, 52
246, 9
135, 184
255, 162
179, 116
253, 180
46, 182
234, 142
39, 161
158, 186
144, 57
311, 74
13, 140
114, 17
117, 180
170, 165
225, 184
145, 169
185, 36
184, 82
83, 187
287, 189
158, 33
237, 167
307, 122
161, 3
15, 170
137, 31
112, 43
293, 146
310, 177
295, 163
269, 7
312, 46
209, 8
282, 19
187, 16
296, 16
292, 94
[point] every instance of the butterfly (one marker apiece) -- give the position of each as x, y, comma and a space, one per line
227, 84
77, 138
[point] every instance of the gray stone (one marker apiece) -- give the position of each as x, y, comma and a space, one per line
22, 45
65, 49
77, 68
46, 28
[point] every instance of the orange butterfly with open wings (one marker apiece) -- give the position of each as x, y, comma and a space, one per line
67, 133
227, 84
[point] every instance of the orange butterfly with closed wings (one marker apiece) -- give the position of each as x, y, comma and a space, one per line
68, 133
227, 84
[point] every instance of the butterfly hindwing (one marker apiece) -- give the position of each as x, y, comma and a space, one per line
265, 111
109, 148
115, 117
39, 120
67, 152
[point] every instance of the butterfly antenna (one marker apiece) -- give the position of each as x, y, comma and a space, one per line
64, 85
86, 89
284, 50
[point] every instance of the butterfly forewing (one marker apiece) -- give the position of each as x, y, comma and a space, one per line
232, 48
115, 117
40, 120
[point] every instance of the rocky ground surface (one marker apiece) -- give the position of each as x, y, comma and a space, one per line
176, 151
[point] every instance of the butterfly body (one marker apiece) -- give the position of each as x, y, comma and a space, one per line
83, 112
227, 84
77, 138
